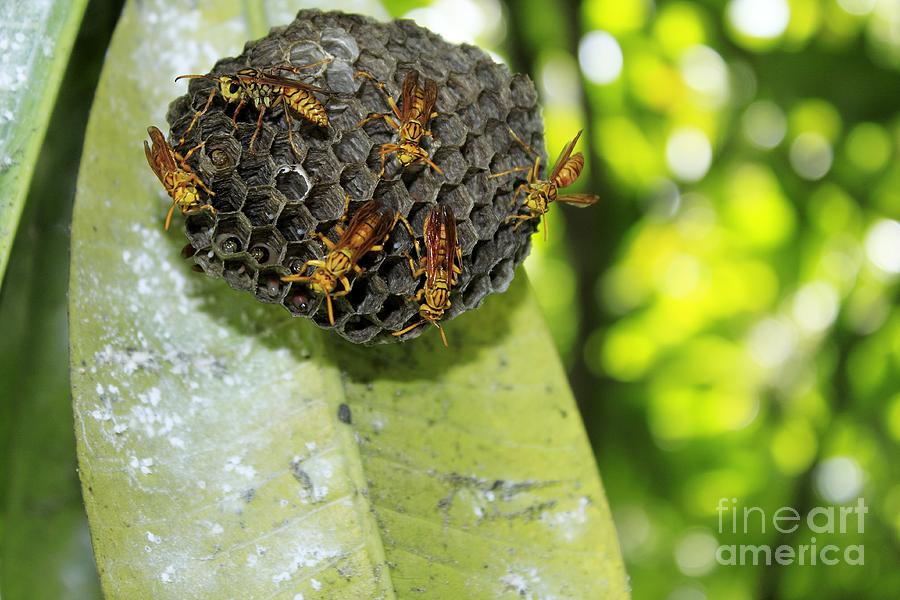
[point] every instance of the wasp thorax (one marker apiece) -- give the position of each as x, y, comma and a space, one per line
282, 167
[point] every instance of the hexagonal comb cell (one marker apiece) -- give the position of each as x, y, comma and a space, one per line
266, 246
263, 205
271, 201
293, 183
232, 235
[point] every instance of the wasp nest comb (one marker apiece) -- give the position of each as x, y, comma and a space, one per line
272, 201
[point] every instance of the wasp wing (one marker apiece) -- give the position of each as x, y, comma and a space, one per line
370, 224
563, 157
159, 155
282, 82
579, 200
429, 97
408, 94
440, 243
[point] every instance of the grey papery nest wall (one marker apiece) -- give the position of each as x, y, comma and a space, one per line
270, 202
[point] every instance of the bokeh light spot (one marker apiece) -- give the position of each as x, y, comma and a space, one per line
756, 207
883, 245
839, 479
678, 26
688, 154
818, 116
772, 342
857, 7
626, 352
705, 72
695, 553
868, 147
617, 16
559, 79
764, 124
600, 57
793, 447
811, 155
816, 306
764, 19
462, 20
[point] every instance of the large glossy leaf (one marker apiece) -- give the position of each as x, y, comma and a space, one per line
35, 39
227, 450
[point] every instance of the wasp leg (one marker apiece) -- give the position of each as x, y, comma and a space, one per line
212, 94
262, 111
412, 236
169, 214
408, 328
509, 171
296, 69
427, 161
381, 86
289, 121
385, 150
184, 159
375, 116
416, 271
515, 199
237, 111
443, 335
329, 245
520, 219
313, 262
347, 287
528, 148
194, 211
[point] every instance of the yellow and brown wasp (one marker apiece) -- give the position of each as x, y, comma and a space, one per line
539, 193
414, 113
442, 267
265, 89
177, 178
367, 231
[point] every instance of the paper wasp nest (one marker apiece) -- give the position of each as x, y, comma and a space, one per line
270, 202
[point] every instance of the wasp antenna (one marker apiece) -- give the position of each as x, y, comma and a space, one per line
330, 310
193, 77
443, 335
169, 214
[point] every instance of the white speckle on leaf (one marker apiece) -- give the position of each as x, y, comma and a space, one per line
153, 538
283, 576
316, 584
216, 529
234, 464
167, 576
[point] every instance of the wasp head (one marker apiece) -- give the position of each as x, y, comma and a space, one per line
230, 87
430, 313
410, 153
322, 281
539, 197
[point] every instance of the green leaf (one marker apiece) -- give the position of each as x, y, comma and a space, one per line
224, 446
36, 38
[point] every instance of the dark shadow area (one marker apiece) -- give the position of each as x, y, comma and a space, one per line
470, 336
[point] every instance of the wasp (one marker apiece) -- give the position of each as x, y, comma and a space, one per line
368, 230
267, 89
177, 178
442, 267
539, 193
414, 114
